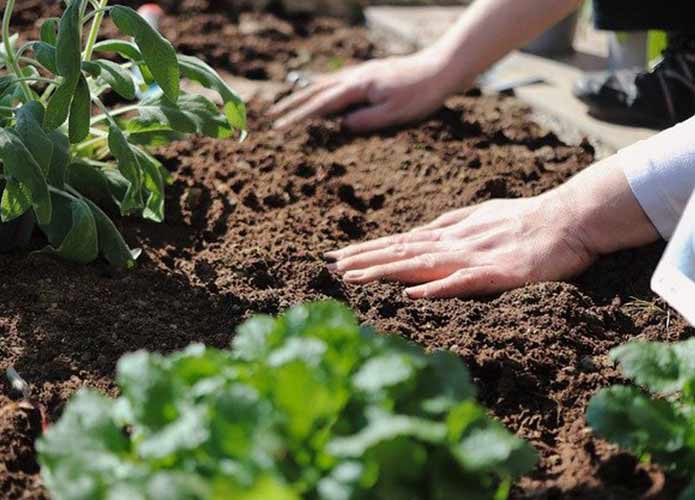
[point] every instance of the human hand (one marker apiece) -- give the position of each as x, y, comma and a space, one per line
394, 91
479, 250
503, 244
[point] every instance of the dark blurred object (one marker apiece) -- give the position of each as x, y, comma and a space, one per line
17, 233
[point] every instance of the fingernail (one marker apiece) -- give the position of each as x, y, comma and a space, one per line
354, 275
332, 267
332, 256
279, 124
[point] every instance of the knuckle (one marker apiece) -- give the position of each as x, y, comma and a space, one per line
399, 250
427, 261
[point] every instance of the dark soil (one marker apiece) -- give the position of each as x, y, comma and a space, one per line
246, 227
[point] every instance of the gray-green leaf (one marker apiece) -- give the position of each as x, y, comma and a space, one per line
80, 112
21, 166
196, 70
130, 168
111, 244
30, 130
49, 31
120, 79
192, 114
73, 231
158, 53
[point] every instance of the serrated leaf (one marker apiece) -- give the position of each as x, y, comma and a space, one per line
111, 243
494, 449
46, 55
72, 232
20, 165
663, 368
122, 47
120, 79
129, 166
15, 201
158, 53
384, 371
49, 31
80, 112
192, 114
386, 428
196, 70
630, 418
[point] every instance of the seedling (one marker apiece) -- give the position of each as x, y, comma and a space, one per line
655, 423
307, 406
67, 158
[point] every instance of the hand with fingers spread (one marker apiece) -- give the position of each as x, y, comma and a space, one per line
393, 91
399, 90
504, 244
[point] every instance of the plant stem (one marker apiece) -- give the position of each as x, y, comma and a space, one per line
94, 32
11, 61
37, 79
115, 112
104, 110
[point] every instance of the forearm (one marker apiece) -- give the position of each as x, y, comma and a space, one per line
488, 31
609, 216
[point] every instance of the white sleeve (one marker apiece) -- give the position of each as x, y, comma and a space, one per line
661, 173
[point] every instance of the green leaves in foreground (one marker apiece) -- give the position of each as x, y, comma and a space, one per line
659, 426
306, 406
64, 168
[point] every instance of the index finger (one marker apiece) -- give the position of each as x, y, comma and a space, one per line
383, 242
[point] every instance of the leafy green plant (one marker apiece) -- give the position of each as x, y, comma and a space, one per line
309, 405
659, 426
64, 164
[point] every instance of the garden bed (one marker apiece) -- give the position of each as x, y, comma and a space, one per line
247, 225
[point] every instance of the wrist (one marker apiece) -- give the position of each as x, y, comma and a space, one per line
604, 211
444, 73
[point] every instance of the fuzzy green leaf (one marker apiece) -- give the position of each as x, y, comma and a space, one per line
111, 244
158, 53
69, 42
59, 159
122, 47
72, 232
120, 79
153, 182
46, 55
20, 165
130, 168
192, 114
15, 201
196, 70
49, 31
29, 129
59, 105
80, 112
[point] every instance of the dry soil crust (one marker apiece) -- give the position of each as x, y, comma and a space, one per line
246, 226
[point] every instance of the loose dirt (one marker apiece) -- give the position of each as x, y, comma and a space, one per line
246, 227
